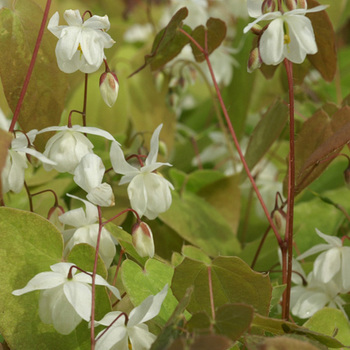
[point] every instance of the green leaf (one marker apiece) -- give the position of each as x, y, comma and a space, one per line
45, 97
140, 284
202, 342
195, 254
266, 133
232, 320
29, 244
200, 224
232, 280
216, 33
199, 179
331, 322
325, 60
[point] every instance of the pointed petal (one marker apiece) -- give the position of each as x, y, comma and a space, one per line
331, 240
115, 338
67, 45
153, 153
43, 280
265, 17
109, 318
102, 282
316, 249
148, 309
53, 26
38, 155
94, 131
119, 164
92, 47
97, 22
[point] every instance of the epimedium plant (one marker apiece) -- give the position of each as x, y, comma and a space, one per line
182, 257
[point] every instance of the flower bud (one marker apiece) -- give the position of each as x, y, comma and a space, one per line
142, 239
279, 218
256, 29
295, 4
268, 6
254, 61
109, 87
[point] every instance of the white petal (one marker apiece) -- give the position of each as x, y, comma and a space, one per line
73, 18
309, 304
332, 240
67, 45
302, 39
254, 8
89, 173
153, 153
140, 337
97, 22
38, 155
272, 42
148, 309
102, 282
79, 296
316, 249
13, 173
327, 265
102, 195
119, 164
43, 280
92, 47
264, 17
53, 26
63, 268
345, 269
137, 194
113, 336
110, 317
94, 131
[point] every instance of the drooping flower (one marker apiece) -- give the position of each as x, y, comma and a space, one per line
135, 330
70, 145
86, 230
81, 44
88, 175
64, 300
333, 263
12, 176
307, 300
289, 35
149, 192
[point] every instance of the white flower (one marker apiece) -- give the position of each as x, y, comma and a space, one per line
81, 43
116, 337
149, 193
289, 35
86, 231
305, 301
64, 302
88, 175
12, 176
333, 263
70, 145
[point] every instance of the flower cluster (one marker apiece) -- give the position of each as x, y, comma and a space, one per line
288, 35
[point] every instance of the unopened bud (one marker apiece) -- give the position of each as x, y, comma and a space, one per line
268, 6
254, 61
279, 218
142, 239
295, 4
109, 87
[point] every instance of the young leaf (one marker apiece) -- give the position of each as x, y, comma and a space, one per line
168, 43
216, 33
325, 60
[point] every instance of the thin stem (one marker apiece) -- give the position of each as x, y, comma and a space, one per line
85, 99
117, 270
31, 208
121, 213
233, 134
211, 294
31, 66
93, 284
291, 193
261, 243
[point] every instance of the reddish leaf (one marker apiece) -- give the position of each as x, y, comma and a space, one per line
216, 33
325, 60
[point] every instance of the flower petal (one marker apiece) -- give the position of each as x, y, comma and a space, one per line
115, 338
148, 309
79, 296
153, 153
102, 195
73, 18
272, 42
97, 22
138, 194
140, 337
119, 164
327, 265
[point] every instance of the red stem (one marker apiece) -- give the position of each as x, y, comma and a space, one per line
121, 213
288, 246
233, 134
211, 294
31, 66
85, 99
